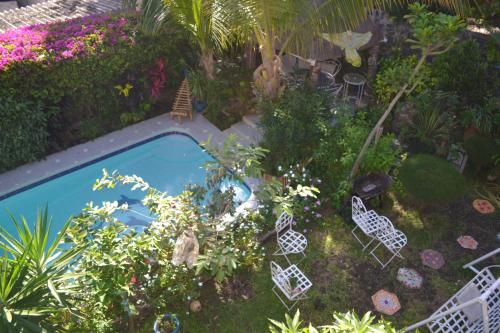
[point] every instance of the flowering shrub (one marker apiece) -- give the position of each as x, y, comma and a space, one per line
295, 193
123, 276
70, 70
65, 40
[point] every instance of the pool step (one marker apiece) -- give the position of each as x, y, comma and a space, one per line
247, 134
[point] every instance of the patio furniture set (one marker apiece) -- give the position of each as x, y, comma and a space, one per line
378, 229
291, 281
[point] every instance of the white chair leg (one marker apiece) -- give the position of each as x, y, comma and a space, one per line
394, 254
283, 302
365, 246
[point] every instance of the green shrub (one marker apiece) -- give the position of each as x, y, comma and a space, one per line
294, 126
432, 179
481, 150
463, 71
23, 129
334, 157
394, 73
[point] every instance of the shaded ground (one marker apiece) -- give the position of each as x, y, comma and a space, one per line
344, 277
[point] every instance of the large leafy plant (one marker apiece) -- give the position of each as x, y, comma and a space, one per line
348, 322
33, 273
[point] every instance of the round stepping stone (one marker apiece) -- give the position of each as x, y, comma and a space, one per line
432, 258
483, 206
410, 278
467, 242
386, 302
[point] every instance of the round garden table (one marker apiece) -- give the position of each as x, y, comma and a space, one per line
357, 81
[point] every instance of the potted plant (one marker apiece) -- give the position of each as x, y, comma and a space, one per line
168, 323
197, 84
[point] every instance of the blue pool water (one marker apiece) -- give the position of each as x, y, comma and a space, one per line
167, 163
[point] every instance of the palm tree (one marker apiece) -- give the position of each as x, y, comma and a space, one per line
33, 272
207, 22
291, 25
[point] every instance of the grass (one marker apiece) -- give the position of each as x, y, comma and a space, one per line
345, 277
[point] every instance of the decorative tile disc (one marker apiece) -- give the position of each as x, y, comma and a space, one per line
483, 206
386, 302
410, 278
467, 242
432, 258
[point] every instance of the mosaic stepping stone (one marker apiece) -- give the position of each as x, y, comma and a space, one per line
467, 242
410, 278
483, 206
386, 302
432, 258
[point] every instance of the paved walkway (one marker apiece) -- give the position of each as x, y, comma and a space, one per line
54, 10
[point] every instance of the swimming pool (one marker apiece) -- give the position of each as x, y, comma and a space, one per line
168, 162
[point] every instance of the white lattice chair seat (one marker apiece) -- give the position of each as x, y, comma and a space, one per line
393, 239
292, 242
370, 222
282, 280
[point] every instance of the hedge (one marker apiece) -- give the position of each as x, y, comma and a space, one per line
68, 82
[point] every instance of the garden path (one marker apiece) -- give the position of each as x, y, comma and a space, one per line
54, 10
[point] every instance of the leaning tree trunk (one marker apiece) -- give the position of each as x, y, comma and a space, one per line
267, 76
207, 62
369, 139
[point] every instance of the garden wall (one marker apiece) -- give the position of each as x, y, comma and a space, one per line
69, 82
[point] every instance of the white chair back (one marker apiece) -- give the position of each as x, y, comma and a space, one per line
358, 208
283, 222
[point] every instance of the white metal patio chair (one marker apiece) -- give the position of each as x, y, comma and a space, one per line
292, 283
393, 239
327, 83
367, 220
289, 241
473, 309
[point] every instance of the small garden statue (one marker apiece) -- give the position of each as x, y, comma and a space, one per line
186, 249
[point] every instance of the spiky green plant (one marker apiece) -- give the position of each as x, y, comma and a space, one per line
33, 272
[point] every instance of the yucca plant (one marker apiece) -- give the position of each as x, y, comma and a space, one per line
33, 275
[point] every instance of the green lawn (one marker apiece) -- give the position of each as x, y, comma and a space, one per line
344, 277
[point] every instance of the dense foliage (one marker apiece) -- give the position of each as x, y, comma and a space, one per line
348, 322
82, 78
24, 131
301, 127
432, 179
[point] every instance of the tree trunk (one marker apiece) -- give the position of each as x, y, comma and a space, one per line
369, 139
250, 55
372, 63
207, 62
267, 76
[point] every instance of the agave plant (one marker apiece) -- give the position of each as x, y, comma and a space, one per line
33, 273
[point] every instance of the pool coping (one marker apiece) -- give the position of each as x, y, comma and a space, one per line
55, 165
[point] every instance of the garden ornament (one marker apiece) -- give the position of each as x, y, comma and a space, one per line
349, 42
467, 242
186, 249
386, 302
410, 278
432, 259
